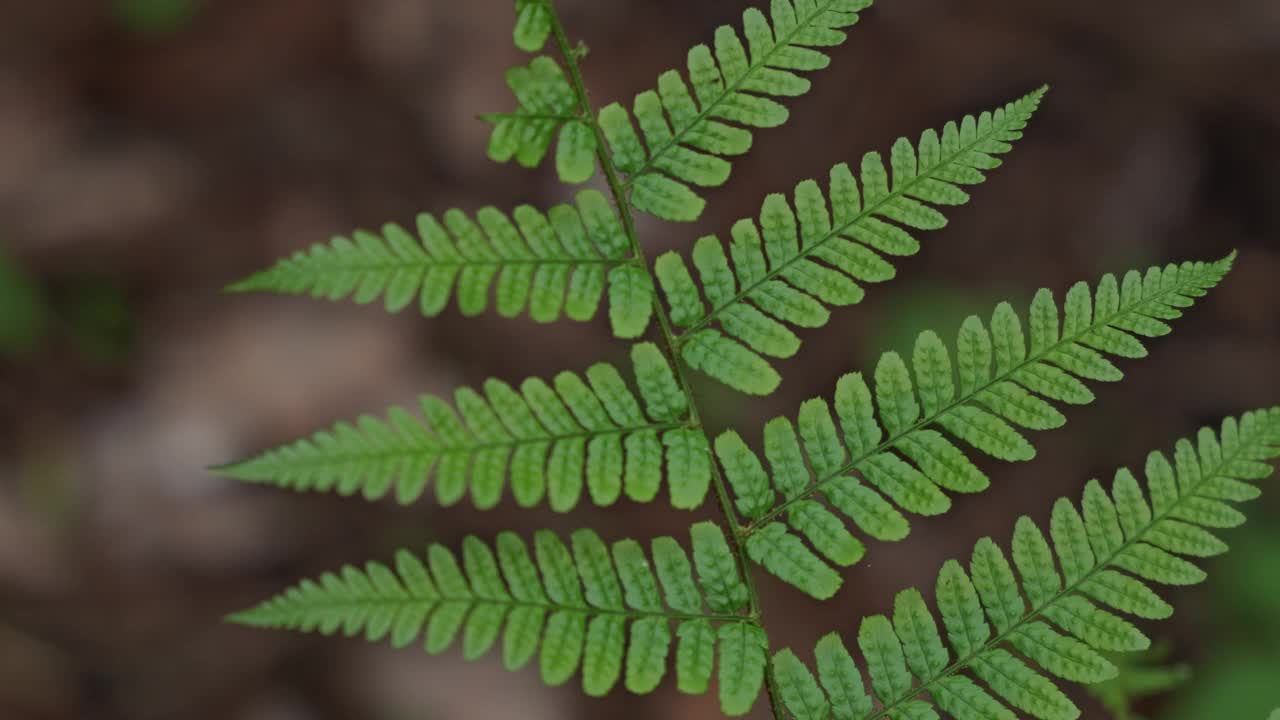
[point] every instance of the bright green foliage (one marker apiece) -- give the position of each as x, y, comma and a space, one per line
888, 445
689, 125
687, 134
1110, 548
900, 438
547, 106
533, 24
581, 606
548, 264
553, 441
819, 249
744, 651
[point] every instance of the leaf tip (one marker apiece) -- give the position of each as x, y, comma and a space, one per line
251, 617
224, 470
253, 283
242, 470
1228, 262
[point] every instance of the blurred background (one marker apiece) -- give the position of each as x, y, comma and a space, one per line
152, 151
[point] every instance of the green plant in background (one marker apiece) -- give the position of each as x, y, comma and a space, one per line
1138, 675
91, 314
1235, 675
154, 18
23, 312
809, 500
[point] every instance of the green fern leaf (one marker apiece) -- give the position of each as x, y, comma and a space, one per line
744, 652
553, 442
799, 689
533, 25
817, 251
630, 301
548, 111
896, 438
687, 136
786, 556
718, 570
1116, 535
579, 607
841, 679
552, 264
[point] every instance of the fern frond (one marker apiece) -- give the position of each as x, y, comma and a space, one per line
549, 264
688, 135
552, 441
806, 256
903, 457
1109, 549
547, 106
582, 607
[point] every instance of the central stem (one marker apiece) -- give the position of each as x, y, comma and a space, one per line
618, 189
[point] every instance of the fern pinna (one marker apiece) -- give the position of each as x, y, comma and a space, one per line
817, 492
805, 256
1099, 559
896, 438
593, 607
551, 440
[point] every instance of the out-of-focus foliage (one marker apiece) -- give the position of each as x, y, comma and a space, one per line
154, 17
95, 315
22, 310
1238, 679
920, 306
1139, 676
90, 313
1228, 686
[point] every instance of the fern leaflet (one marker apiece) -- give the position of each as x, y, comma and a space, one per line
533, 24
552, 440
548, 263
578, 607
687, 136
810, 256
903, 455
1108, 549
547, 105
